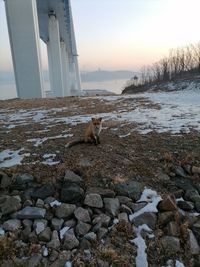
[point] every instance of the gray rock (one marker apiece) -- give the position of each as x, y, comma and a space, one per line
26, 233
102, 232
103, 219
85, 244
96, 228
43, 192
179, 171
12, 225
163, 177
184, 183
71, 193
35, 260
148, 218
124, 199
33, 237
111, 205
102, 263
193, 244
124, 208
39, 225
197, 203
63, 257
93, 200
185, 205
187, 168
172, 229
171, 244
55, 242
31, 213
57, 223
70, 242
91, 236
45, 235
82, 214
71, 177
5, 180
65, 210
190, 195
39, 203
82, 228
123, 217
27, 223
165, 217
24, 178
103, 192
49, 200
54, 255
196, 230
130, 189
70, 223
11, 204
28, 203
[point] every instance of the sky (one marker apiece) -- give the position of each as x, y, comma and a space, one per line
121, 34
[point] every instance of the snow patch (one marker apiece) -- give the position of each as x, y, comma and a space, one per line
152, 198
141, 258
9, 158
63, 231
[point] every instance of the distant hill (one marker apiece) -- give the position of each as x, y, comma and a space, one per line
103, 75
86, 76
192, 82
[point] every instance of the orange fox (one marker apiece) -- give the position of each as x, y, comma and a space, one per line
91, 133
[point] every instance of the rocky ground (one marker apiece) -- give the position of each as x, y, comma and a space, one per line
87, 206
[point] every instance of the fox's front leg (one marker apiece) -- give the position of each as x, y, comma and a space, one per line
98, 139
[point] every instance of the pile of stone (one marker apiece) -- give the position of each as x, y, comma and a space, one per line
61, 219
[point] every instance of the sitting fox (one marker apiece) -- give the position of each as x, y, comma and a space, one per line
91, 133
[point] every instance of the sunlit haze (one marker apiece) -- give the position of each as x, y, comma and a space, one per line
122, 34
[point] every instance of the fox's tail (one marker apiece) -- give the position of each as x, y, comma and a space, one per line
74, 143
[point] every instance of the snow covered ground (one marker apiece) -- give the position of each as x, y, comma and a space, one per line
176, 111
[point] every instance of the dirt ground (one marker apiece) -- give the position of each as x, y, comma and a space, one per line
119, 157
135, 156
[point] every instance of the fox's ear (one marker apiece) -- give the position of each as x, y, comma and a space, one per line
100, 119
93, 119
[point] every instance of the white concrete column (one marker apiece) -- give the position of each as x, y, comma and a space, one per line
78, 78
65, 69
73, 83
54, 57
23, 30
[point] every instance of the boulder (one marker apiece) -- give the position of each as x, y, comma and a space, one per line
43, 192
82, 214
170, 244
148, 218
11, 204
111, 205
65, 210
55, 242
71, 193
12, 225
31, 213
82, 228
70, 242
93, 200
130, 189
71, 177
168, 204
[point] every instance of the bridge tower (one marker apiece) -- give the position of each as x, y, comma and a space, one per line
50, 20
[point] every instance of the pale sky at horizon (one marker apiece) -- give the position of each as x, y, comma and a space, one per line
122, 34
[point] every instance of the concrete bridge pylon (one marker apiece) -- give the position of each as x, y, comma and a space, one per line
50, 20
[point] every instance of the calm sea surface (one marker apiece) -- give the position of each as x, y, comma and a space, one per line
8, 91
